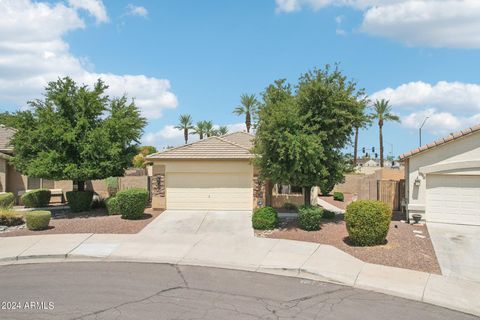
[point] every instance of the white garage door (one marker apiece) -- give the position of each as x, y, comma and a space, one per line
453, 199
209, 191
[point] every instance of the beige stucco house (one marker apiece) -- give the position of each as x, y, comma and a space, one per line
211, 174
443, 179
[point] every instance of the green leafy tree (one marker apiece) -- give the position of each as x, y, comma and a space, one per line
77, 133
300, 136
200, 129
10, 119
143, 151
185, 124
248, 107
382, 111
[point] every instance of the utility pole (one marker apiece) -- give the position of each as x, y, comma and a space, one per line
420, 129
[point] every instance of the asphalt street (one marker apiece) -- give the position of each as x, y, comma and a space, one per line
114, 290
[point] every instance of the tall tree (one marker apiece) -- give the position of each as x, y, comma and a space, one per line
300, 136
77, 133
200, 129
185, 124
248, 107
382, 111
143, 151
222, 130
209, 130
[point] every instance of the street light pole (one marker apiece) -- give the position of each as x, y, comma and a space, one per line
420, 129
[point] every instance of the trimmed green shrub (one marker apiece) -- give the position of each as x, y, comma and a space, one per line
309, 218
38, 220
264, 218
367, 222
36, 198
289, 206
327, 214
112, 206
7, 200
338, 196
132, 202
10, 218
79, 200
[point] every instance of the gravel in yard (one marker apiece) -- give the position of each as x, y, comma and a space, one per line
94, 221
403, 249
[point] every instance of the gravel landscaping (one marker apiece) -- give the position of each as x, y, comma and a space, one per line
93, 221
408, 246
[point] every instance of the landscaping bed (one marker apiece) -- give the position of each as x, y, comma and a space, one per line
348, 198
93, 221
403, 248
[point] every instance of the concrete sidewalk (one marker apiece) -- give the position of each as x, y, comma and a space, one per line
275, 256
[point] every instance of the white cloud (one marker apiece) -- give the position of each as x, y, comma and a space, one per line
439, 123
169, 136
94, 7
133, 10
444, 96
437, 23
33, 52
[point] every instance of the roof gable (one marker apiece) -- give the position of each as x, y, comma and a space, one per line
241, 138
450, 138
210, 148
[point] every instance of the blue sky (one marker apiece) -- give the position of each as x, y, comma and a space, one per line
197, 57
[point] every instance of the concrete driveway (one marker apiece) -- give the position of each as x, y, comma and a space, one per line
190, 222
458, 249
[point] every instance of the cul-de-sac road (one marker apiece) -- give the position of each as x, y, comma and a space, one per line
117, 290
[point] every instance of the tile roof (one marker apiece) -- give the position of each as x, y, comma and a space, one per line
6, 134
451, 137
241, 138
210, 148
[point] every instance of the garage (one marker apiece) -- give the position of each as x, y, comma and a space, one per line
213, 174
453, 199
209, 191
443, 179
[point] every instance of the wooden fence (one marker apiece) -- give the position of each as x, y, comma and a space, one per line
391, 192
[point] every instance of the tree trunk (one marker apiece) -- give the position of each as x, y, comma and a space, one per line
307, 191
248, 121
355, 148
381, 144
185, 135
201, 135
80, 185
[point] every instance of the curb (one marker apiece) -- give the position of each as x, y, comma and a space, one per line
445, 292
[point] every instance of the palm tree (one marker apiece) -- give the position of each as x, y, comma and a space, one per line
200, 129
248, 107
209, 130
222, 130
383, 112
185, 124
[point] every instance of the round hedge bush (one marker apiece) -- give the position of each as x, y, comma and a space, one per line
338, 196
79, 200
309, 218
37, 198
38, 220
112, 206
327, 214
265, 218
367, 222
132, 202
7, 200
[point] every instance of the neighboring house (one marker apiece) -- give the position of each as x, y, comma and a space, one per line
443, 179
211, 174
369, 166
